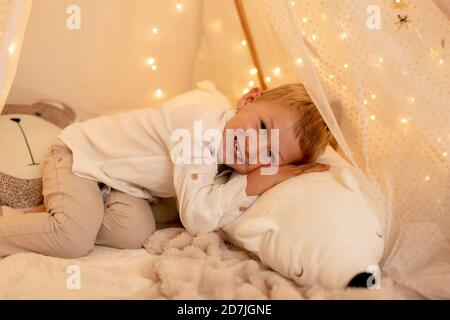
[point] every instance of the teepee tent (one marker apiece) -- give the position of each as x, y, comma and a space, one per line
377, 70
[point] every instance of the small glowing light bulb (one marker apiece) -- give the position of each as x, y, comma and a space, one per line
158, 93
380, 59
346, 66
331, 76
305, 19
314, 37
246, 90
441, 61
253, 71
12, 48
277, 71
427, 178
251, 83
244, 43
373, 117
374, 96
366, 102
445, 154
154, 67
268, 79
293, 3
343, 35
299, 61
404, 120
155, 30
179, 6
151, 61
412, 99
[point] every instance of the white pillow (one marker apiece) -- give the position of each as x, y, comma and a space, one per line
26, 133
317, 228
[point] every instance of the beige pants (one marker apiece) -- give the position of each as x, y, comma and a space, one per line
78, 216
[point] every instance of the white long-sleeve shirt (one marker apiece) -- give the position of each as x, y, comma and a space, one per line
131, 152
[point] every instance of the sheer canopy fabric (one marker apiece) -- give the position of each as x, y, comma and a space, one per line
379, 73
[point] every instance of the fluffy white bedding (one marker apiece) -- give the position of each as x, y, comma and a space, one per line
175, 265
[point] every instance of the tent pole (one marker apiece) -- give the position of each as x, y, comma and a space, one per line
251, 44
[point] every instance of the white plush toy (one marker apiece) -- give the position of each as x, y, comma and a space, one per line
318, 228
26, 133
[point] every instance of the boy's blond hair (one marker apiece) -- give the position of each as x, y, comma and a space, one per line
310, 129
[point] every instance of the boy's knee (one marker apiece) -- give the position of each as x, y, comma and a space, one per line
135, 239
135, 230
74, 250
71, 241
127, 222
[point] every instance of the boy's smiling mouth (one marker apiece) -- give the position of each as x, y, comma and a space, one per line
237, 152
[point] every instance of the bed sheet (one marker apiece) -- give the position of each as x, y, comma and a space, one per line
172, 265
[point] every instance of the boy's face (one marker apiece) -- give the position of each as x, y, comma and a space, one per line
257, 116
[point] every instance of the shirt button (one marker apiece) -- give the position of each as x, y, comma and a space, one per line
242, 209
194, 176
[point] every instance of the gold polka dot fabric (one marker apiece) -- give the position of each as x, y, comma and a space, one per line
379, 73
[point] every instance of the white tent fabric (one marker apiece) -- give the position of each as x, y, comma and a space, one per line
13, 22
103, 67
222, 38
384, 94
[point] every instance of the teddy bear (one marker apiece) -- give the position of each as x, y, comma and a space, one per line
26, 133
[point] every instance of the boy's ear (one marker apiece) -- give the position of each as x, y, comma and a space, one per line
248, 98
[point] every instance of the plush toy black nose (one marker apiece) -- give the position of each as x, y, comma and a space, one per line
15, 119
361, 280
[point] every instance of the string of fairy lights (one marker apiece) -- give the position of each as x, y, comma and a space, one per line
277, 72
159, 93
436, 54
151, 61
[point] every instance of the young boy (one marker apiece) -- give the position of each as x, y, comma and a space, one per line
100, 175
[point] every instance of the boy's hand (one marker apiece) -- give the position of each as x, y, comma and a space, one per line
258, 183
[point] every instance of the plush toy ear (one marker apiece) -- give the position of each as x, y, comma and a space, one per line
62, 118
251, 231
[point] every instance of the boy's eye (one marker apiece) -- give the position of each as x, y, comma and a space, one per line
263, 126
